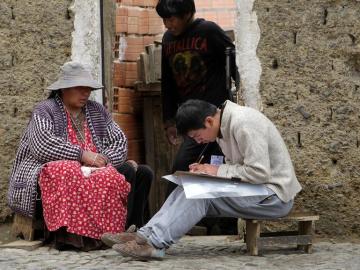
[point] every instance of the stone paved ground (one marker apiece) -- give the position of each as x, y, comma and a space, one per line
215, 252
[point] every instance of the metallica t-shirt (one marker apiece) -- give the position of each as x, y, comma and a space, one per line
193, 66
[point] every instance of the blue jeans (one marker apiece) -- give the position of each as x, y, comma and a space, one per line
178, 214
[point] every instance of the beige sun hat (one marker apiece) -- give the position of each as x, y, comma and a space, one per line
74, 74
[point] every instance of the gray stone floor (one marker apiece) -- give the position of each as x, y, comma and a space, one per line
210, 252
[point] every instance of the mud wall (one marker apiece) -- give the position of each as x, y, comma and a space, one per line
310, 87
35, 40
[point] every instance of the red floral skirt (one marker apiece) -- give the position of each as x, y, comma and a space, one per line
87, 206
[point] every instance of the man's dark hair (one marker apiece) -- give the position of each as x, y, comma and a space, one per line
178, 8
191, 115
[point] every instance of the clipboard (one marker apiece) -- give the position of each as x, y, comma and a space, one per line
200, 185
208, 176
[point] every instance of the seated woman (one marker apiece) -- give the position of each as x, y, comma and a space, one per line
71, 149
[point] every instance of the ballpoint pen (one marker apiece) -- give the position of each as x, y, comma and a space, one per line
201, 156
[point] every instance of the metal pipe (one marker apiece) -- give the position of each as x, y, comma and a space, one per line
228, 72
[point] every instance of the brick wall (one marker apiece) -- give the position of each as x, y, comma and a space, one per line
222, 12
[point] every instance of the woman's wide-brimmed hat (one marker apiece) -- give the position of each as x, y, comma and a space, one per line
74, 74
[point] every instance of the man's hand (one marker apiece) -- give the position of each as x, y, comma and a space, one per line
92, 159
204, 168
171, 135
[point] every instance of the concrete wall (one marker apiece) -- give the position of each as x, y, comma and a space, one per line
247, 38
86, 39
310, 87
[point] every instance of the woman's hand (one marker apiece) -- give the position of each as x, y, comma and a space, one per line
133, 163
204, 168
93, 159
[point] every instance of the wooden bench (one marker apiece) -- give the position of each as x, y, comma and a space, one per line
302, 237
26, 227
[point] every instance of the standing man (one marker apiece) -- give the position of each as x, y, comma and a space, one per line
193, 67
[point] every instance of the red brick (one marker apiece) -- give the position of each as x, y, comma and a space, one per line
134, 41
133, 20
119, 75
204, 4
134, 48
124, 119
156, 29
155, 21
125, 74
226, 19
121, 11
122, 19
148, 40
211, 16
230, 4
151, 3
126, 101
140, 3
143, 29
131, 75
127, 2
131, 126
134, 11
131, 56
133, 28
153, 14
121, 28
131, 66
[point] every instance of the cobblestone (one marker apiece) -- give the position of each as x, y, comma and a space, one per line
200, 253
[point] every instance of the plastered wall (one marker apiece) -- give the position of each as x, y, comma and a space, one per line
310, 87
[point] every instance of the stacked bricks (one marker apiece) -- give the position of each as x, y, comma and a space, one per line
222, 12
137, 25
138, 20
134, 46
125, 74
127, 104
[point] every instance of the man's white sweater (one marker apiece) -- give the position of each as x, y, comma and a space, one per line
255, 151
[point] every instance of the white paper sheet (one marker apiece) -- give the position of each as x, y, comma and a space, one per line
86, 171
198, 186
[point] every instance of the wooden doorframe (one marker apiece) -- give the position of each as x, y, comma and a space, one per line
108, 16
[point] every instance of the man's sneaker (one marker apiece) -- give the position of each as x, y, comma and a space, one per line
111, 239
142, 252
